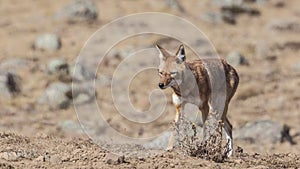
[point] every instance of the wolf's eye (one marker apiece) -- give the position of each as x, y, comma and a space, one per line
160, 73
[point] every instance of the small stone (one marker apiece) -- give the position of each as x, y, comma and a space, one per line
218, 17
56, 96
14, 63
40, 159
263, 131
174, 4
83, 93
72, 126
261, 1
78, 10
110, 159
57, 65
114, 159
9, 156
82, 98
212, 17
296, 66
59, 68
160, 142
228, 17
47, 42
103, 81
46, 157
121, 159
141, 158
223, 3
81, 73
10, 84
236, 59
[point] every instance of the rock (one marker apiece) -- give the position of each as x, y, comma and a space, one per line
56, 96
70, 126
57, 65
296, 66
160, 142
111, 158
82, 98
48, 42
60, 68
276, 3
218, 17
83, 92
175, 5
261, 1
212, 17
10, 84
223, 3
264, 131
9, 156
46, 157
228, 17
14, 63
103, 80
287, 25
81, 73
236, 59
78, 10
39, 159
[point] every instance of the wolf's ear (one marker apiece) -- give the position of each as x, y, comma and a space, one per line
180, 54
162, 52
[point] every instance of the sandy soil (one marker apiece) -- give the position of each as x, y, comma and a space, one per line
31, 135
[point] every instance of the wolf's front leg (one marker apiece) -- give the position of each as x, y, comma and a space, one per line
178, 105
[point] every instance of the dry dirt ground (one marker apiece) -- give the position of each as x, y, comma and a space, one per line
31, 135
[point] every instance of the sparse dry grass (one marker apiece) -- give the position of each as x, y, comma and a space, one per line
191, 144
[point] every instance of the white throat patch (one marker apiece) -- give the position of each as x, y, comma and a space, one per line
176, 99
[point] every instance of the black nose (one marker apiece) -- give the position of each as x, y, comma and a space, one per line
160, 85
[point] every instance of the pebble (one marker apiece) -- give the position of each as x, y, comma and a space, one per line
47, 42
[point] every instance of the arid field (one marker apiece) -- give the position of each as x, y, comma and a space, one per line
54, 88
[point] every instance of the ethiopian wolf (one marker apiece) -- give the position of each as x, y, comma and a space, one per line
174, 72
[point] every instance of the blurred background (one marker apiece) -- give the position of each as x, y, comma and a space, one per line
42, 39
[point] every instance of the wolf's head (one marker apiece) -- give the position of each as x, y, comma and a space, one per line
170, 66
